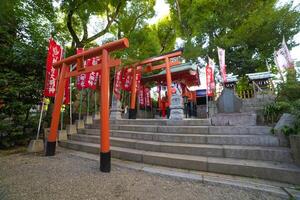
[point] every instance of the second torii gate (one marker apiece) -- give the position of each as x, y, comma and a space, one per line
104, 66
167, 65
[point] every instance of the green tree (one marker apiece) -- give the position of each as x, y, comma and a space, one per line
248, 30
24, 30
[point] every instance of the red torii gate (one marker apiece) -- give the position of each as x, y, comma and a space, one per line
167, 64
104, 66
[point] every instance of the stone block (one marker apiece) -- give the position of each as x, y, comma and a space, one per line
178, 161
234, 119
258, 153
176, 107
295, 148
79, 124
126, 155
88, 119
254, 169
228, 102
46, 132
62, 135
286, 120
183, 129
71, 129
96, 116
36, 146
142, 128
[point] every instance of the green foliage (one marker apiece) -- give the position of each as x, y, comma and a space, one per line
288, 101
248, 30
243, 85
166, 34
24, 30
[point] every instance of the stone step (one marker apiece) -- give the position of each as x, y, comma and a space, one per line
216, 130
275, 171
161, 122
254, 140
278, 154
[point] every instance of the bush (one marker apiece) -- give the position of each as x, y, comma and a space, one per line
287, 101
18, 131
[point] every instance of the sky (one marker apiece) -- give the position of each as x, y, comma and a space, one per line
162, 9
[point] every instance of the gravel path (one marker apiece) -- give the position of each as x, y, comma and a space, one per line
64, 176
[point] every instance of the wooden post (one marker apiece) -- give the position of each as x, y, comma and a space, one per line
132, 110
169, 80
51, 141
105, 155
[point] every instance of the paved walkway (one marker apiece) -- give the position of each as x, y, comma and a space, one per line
66, 176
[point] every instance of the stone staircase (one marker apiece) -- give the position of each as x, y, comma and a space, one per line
195, 145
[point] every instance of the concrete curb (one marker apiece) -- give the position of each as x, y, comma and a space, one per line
281, 190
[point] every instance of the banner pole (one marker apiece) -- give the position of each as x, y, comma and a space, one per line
80, 105
40, 120
62, 120
95, 101
70, 101
88, 102
207, 112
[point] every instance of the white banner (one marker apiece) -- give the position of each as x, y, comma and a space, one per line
286, 54
221, 55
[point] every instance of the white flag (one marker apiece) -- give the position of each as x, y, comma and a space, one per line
211, 63
286, 54
221, 55
280, 59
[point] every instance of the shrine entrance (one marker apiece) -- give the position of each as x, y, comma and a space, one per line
106, 62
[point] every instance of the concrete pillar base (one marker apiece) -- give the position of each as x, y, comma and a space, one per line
89, 120
176, 108
36, 146
71, 129
132, 113
62, 135
97, 116
115, 114
79, 124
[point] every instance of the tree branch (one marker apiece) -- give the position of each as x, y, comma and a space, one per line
70, 27
85, 31
109, 23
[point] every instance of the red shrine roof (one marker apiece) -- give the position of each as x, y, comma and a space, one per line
186, 73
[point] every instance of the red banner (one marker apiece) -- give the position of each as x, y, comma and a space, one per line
138, 80
223, 72
147, 97
81, 79
118, 83
141, 96
210, 83
54, 55
127, 79
95, 76
67, 91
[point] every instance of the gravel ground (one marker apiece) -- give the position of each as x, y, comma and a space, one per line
64, 176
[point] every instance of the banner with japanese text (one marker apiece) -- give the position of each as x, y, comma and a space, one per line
67, 91
54, 55
138, 80
282, 57
209, 80
127, 79
141, 96
81, 79
221, 55
147, 96
94, 76
118, 83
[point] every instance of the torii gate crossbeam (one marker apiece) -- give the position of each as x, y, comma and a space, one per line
167, 64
